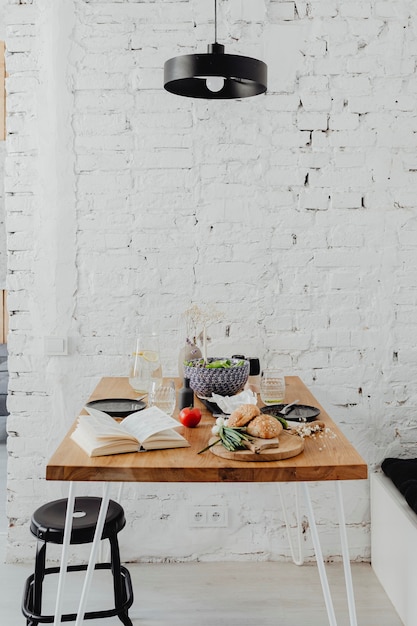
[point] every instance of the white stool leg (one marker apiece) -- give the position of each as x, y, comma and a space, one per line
319, 558
93, 555
345, 553
64, 554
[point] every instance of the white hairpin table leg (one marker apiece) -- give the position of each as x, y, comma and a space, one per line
104, 551
319, 557
300, 559
345, 554
64, 554
93, 554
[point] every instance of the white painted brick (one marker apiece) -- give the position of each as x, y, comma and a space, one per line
345, 49
103, 80
328, 338
316, 102
345, 359
361, 10
250, 10
103, 183
20, 44
363, 104
318, 199
333, 66
113, 123
19, 241
347, 200
16, 102
319, 140
164, 158
282, 102
392, 10
288, 176
19, 83
343, 121
291, 139
346, 281
354, 84
146, 79
21, 143
25, 13
349, 159
315, 48
346, 236
363, 65
359, 137
312, 121
347, 178
281, 11
314, 85
21, 62
104, 161
327, 8
118, 142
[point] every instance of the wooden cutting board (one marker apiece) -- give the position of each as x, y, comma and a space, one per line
289, 446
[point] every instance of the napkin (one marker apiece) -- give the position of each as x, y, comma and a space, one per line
229, 403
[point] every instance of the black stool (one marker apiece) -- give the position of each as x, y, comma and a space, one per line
47, 524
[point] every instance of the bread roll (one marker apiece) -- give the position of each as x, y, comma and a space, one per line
264, 427
243, 415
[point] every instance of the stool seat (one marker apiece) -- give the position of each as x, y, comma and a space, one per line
47, 525
48, 521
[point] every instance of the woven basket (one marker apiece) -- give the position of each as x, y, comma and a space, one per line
223, 381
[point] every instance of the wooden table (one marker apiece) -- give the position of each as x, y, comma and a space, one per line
328, 458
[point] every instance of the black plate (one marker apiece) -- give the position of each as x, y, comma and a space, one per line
117, 407
211, 406
296, 413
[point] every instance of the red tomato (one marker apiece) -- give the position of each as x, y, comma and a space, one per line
190, 417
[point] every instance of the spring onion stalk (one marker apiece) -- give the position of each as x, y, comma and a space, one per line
231, 438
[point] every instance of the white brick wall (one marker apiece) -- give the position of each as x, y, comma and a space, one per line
3, 255
294, 212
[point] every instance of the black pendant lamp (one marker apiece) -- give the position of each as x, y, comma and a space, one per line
215, 75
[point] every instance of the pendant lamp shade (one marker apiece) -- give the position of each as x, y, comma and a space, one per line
215, 75
200, 75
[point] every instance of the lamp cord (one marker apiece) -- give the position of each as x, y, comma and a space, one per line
215, 21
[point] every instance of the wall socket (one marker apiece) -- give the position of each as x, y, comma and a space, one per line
207, 516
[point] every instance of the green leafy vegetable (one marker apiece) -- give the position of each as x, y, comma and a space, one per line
217, 364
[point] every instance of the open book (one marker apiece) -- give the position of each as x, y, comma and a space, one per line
99, 434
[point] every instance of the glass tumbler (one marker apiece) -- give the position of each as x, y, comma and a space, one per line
145, 364
163, 395
272, 386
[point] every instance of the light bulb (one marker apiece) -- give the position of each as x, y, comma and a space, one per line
215, 83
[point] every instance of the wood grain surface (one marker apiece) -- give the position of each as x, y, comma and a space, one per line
327, 457
289, 446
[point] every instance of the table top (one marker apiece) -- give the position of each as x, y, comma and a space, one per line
329, 457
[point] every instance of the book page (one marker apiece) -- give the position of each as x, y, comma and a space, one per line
101, 426
148, 422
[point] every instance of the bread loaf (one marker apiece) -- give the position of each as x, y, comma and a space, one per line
243, 415
264, 427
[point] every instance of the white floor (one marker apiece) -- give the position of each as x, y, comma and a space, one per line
210, 594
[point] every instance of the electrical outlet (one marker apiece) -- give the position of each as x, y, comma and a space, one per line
206, 516
217, 516
197, 516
